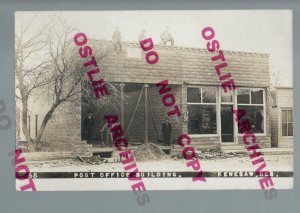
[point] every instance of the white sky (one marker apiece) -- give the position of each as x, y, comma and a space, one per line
241, 30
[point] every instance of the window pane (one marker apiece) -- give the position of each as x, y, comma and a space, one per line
226, 97
209, 94
257, 96
243, 96
284, 129
290, 129
290, 116
202, 119
256, 116
194, 95
284, 116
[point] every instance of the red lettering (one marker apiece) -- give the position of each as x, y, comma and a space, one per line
195, 164
209, 30
20, 168
78, 36
91, 62
147, 41
230, 84
248, 135
168, 97
102, 90
199, 177
111, 119
188, 156
223, 77
265, 182
85, 51
220, 56
181, 138
239, 113
18, 160
175, 111
244, 125
117, 131
91, 73
164, 87
155, 57
215, 46
30, 185
121, 141
138, 187
219, 67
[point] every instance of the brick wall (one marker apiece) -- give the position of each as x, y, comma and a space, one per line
63, 131
181, 64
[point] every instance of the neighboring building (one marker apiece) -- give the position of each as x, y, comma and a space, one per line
282, 117
197, 89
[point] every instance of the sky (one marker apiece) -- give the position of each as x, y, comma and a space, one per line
259, 31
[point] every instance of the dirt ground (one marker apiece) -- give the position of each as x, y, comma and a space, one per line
283, 162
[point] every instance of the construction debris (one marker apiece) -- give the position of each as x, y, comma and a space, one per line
93, 160
44, 147
211, 154
149, 151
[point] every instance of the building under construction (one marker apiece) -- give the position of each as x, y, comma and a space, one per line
206, 111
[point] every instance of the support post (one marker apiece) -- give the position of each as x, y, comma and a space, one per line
29, 126
146, 112
122, 104
36, 125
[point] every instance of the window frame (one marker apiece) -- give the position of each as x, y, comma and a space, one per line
216, 105
286, 109
263, 105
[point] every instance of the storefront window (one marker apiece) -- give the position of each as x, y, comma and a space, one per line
251, 100
287, 122
226, 97
202, 110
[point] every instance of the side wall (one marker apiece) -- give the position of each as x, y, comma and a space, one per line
63, 131
284, 101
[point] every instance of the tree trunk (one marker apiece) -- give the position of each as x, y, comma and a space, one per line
46, 119
24, 123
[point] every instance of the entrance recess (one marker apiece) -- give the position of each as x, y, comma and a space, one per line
226, 123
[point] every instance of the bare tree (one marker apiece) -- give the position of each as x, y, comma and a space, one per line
60, 76
28, 77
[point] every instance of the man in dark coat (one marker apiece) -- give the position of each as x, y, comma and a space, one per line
89, 125
166, 130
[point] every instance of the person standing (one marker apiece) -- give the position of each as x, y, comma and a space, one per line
166, 37
116, 37
89, 125
166, 130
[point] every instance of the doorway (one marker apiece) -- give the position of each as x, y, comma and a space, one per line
227, 124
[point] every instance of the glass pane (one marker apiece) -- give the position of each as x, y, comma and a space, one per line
257, 96
284, 129
202, 119
243, 96
256, 116
194, 95
284, 116
290, 129
226, 97
289, 115
209, 94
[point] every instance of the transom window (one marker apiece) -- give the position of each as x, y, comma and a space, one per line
287, 122
202, 110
